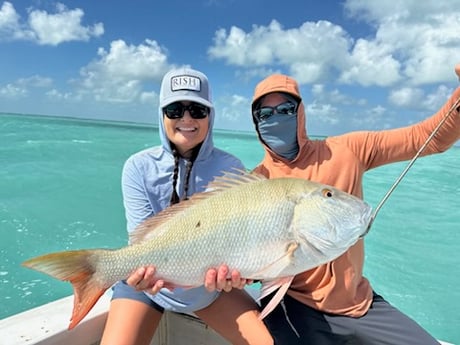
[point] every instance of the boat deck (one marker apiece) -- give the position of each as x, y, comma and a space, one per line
47, 325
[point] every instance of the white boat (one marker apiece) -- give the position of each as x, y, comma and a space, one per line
47, 325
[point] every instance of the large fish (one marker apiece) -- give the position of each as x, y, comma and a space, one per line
268, 229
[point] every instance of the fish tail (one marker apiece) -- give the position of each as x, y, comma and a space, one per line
77, 268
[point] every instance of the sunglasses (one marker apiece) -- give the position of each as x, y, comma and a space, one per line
286, 108
176, 110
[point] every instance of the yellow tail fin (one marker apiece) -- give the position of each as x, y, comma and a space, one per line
77, 268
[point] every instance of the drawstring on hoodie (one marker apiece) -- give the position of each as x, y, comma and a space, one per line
189, 164
287, 318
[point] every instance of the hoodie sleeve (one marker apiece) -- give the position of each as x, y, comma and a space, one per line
382, 147
135, 200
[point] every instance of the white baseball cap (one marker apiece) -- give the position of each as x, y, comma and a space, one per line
185, 84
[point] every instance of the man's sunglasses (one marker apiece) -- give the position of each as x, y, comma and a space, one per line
286, 108
176, 110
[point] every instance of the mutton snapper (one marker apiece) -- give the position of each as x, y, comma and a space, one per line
268, 229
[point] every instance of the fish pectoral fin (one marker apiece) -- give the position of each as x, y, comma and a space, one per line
268, 287
276, 268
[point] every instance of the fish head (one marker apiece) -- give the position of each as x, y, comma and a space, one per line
328, 221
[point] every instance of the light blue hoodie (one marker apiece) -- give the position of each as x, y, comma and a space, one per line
147, 177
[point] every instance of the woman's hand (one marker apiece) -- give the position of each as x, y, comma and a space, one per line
216, 279
143, 279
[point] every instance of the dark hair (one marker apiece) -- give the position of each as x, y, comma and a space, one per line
174, 196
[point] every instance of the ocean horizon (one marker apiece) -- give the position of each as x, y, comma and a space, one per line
60, 190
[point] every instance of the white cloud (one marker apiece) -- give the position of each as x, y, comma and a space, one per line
433, 101
117, 75
146, 61
335, 108
422, 35
22, 86
417, 98
8, 16
413, 43
406, 97
13, 91
57, 95
323, 113
371, 64
234, 107
335, 96
376, 11
62, 26
372, 118
35, 81
10, 25
149, 97
46, 28
309, 52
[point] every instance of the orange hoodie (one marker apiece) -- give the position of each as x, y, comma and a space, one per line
339, 287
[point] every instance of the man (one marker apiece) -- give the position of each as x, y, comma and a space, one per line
334, 303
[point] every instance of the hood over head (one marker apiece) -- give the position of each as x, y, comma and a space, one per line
185, 84
284, 84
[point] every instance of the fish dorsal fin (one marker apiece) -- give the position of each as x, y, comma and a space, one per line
234, 178
228, 180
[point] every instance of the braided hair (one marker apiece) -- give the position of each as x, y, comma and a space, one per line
174, 196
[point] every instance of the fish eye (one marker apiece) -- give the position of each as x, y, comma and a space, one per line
327, 193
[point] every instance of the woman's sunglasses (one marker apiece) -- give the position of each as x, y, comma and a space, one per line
176, 110
286, 108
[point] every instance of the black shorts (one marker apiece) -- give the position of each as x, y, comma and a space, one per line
382, 324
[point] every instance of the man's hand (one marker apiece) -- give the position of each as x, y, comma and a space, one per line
222, 280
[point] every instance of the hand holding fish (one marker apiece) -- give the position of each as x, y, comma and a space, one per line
143, 279
216, 279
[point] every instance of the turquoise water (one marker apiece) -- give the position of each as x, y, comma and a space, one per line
60, 189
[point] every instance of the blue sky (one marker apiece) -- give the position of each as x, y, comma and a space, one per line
362, 64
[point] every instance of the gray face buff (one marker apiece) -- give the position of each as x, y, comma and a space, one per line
278, 128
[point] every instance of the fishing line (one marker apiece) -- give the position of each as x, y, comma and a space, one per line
411, 163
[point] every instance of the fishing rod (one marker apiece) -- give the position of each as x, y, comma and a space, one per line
456, 105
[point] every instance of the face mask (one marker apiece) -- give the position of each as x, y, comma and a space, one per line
279, 132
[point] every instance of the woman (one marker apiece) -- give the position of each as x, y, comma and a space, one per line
160, 176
